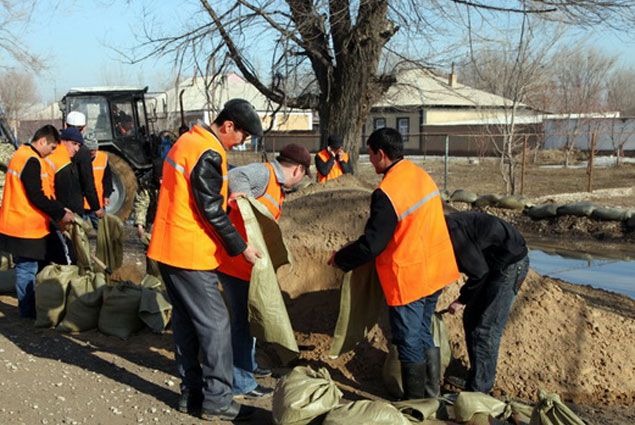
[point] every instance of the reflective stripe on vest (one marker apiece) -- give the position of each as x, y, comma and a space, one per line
18, 216
419, 259
181, 236
100, 162
336, 170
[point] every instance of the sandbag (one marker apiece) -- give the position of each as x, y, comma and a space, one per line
630, 223
365, 412
469, 403
461, 195
609, 214
540, 212
441, 340
361, 304
490, 200
303, 395
550, 410
268, 317
152, 267
110, 237
418, 411
154, 308
119, 315
512, 203
83, 303
79, 243
578, 209
51, 286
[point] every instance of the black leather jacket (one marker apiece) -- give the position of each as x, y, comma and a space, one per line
206, 180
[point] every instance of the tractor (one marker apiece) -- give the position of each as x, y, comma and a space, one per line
119, 119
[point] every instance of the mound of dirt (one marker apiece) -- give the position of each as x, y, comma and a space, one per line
555, 339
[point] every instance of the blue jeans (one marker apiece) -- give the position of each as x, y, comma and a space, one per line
484, 320
410, 325
25, 271
243, 344
90, 215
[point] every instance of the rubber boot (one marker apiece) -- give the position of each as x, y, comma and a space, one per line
433, 372
413, 377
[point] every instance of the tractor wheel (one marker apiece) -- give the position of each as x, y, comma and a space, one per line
124, 183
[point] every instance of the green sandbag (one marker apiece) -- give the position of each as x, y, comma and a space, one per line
365, 412
303, 395
83, 303
51, 286
609, 214
152, 267
441, 340
81, 247
469, 403
418, 411
550, 410
6, 261
361, 303
119, 315
268, 317
630, 223
110, 235
461, 195
512, 203
489, 200
540, 212
154, 309
578, 209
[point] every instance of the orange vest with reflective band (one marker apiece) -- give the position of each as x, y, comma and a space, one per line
18, 217
99, 169
419, 259
57, 160
273, 198
181, 236
336, 171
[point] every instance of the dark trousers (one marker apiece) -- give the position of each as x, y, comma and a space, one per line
411, 327
200, 324
484, 320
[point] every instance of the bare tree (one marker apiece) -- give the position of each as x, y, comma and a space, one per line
348, 49
18, 92
13, 16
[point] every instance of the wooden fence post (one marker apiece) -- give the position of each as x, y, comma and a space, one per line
590, 165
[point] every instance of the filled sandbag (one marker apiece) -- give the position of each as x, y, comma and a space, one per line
79, 243
461, 195
489, 200
540, 212
83, 303
110, 235
365, 412
578, 209
303, 395
51, 288
609, 214
630, 223
550, 410
154, 308
119, 315
441, 340
469, 403
512, 203
418, 411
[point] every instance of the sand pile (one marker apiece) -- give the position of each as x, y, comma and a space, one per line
555, 339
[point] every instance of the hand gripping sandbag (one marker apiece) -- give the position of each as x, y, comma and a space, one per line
268, 317
361, 304
51, 288
110, 241
154, 309
550, 410
119, 315
83, 303
303, 395
366, 412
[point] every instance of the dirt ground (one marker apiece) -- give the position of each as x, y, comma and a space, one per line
573, 340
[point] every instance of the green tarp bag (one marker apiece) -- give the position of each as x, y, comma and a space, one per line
83, 303
119, 315
418, 411
366, 412
540, 212
303, 395
79, 241
441, 340
110, 237
51, 287
489, 200
578, 209
361, 304
154, 309
461, 195
512, 203
550, 410
609, 214
469, 403
152, 267
268, 317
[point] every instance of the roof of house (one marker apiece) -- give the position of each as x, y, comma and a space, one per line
421, 87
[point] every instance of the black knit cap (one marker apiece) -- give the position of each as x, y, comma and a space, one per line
296, 154
335, 141
244, 116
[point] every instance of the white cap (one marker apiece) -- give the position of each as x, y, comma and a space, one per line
76, 119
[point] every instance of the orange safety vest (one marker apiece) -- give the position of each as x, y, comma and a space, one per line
100, 162
18, 217
336, 171
273, 198
57, 160
181, 236
419, 259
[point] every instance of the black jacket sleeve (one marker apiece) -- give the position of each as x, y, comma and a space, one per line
84, 165
33, 186
206, 180
107, 182
346, 167
379, 229
324, 167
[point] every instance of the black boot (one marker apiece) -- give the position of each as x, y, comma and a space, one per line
433, 372
413, 377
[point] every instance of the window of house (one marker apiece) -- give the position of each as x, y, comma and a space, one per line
403, 125
379, 123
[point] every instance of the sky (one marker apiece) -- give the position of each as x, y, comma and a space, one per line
77, 39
